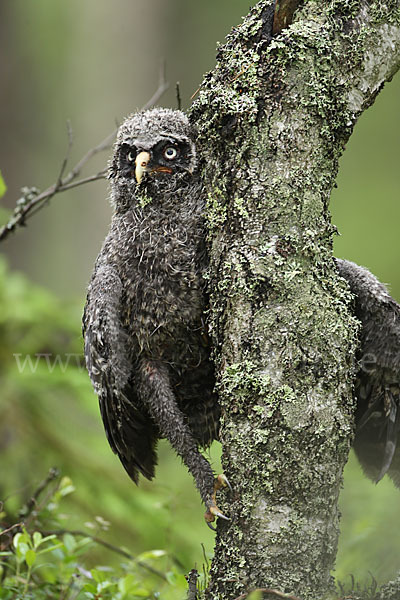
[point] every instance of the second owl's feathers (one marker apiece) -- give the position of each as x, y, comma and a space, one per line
377, 385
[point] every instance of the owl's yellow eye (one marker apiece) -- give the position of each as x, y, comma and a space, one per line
170, 153
131, 156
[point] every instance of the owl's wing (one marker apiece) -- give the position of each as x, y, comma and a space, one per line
378, 380
130, 432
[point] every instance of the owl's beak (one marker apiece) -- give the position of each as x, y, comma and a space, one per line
142, 160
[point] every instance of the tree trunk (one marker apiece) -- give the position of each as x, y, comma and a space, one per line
273, 118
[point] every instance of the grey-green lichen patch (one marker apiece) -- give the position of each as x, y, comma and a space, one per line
240, 209
144, 200
243, 380
348, 9
390, 591
385, 11
216, 211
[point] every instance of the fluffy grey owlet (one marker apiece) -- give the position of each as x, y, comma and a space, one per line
146, 342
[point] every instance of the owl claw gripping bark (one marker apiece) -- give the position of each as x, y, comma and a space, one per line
213, 510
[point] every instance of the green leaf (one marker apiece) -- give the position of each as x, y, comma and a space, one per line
127, 584
50, 548
48, 537
37, 539
66, 487
177, 580
141, 593
3, 187
20, 538
152, 554
5, 214
69, 542
30, 557
89, 587
171, 577
104, 585
22, 549
98, 576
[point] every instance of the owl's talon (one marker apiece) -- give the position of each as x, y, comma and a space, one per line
213, 510
222, 481
219, 514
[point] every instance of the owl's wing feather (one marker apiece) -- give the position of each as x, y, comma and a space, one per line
378, 380
391, 435
130, 432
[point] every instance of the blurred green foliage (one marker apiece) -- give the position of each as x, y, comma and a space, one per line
35, 563
3, 189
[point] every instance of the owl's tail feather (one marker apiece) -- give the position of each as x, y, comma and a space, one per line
130, 432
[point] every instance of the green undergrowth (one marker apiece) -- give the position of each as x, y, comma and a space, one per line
42, 558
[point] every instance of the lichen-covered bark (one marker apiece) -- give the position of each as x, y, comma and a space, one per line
273, 118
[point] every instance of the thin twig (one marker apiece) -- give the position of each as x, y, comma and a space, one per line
32, 502
205, 556
103, 145
268, 591
32, 201
102, 542
195, 94
41, 200
42, 504
4, 531
241, 72
27, 513
66, 158
178, 95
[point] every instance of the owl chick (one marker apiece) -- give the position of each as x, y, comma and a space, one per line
145, 339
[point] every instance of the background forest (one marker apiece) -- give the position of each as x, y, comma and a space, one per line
93, 62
